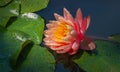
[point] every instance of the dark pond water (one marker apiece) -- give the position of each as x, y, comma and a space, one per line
105, 14
105, 21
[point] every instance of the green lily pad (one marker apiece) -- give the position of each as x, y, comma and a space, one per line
106, 58
8, 11
115, 37
11, 42
4, 20
10, 8
31, 24
33, 5
2, 29
38, 60
4, 2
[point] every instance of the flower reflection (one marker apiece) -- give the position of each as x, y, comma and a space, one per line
66, 34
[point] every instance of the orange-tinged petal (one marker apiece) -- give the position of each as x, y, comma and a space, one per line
58, 17
49, 26
50, 42
62, 47
67, 15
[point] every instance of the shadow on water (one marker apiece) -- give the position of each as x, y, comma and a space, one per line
65, 63
91, 52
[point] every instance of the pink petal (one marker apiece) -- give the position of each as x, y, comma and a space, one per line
67, 15
49, 26
57, 16
71, 52
79, 17
53, 22
88, 22
48, 33
68, 38
84, 25
75, 46
52, 43
74, 49
61, 49
87, 44
73, 33
49, 42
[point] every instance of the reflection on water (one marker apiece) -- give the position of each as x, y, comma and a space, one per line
65, 63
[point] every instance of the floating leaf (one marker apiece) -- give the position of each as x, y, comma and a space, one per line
30, 23
9, 8
38, 60
2, 29
106, 58
4, 20
7, 11
4, 2
33, 5
11, 42
115, 37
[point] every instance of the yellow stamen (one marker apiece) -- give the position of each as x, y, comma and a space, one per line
61, 31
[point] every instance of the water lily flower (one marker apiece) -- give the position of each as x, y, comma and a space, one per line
66, 34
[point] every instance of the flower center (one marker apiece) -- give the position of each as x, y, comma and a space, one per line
61, 31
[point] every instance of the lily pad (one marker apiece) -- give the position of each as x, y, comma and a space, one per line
38, 60
31, 24
8, 11
4, 2
4, 20
2, 29
106, 58
33, 5
11, 42
9, 8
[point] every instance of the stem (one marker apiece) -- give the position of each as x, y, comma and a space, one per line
100, 38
